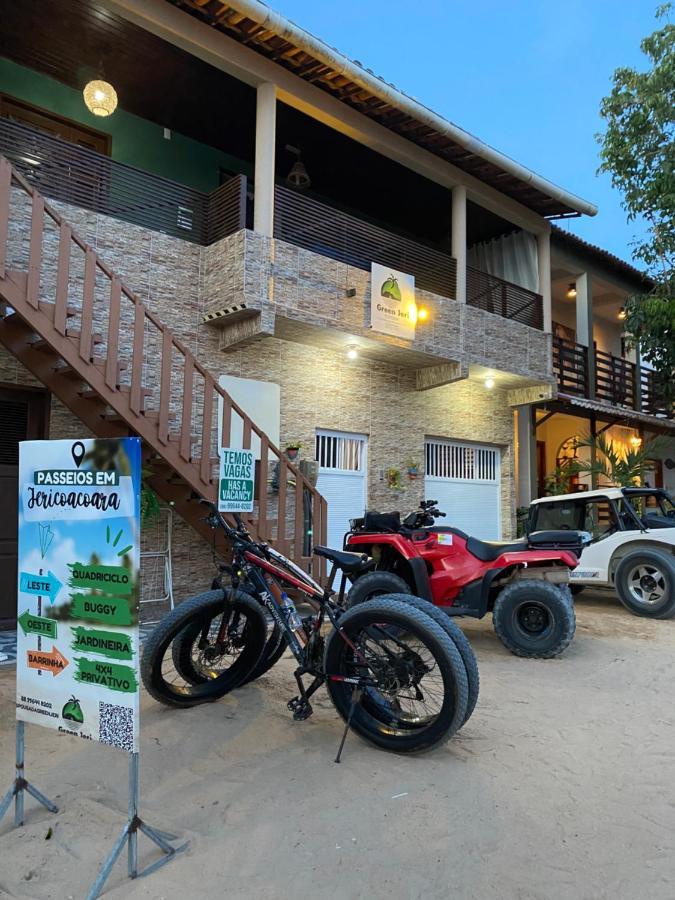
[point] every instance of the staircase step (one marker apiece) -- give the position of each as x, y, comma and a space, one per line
63, 368
50, 308
39, 343
88, 393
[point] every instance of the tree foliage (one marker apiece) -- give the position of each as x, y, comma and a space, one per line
638, 152
619, 466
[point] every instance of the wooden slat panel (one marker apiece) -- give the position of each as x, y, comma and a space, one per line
85, 178
62, 276
186, 415
35, 253
137, 360
570, 364
165, 387
88, 291
281, 513
330, 232
5, 190
503, 298
298, 545
112, 348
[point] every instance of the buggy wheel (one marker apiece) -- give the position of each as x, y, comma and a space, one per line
534, 619
645, 583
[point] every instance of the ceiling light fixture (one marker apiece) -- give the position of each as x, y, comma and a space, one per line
571, 291
352, 352
100, 98
622, 313
489, 382
298, 177
422, 314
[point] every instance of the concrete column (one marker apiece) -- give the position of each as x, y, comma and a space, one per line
265, 145
526, 460
584, 308
544, 266
459, 238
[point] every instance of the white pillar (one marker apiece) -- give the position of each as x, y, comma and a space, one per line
526, 460
584, 312
544, 265
459, 238
265, 146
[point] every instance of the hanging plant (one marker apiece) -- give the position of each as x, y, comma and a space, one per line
412, 467
393, 478
150, 507
291, 450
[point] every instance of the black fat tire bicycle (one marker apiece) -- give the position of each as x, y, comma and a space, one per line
393, 673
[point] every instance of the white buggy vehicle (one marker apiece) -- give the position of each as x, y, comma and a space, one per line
633, 546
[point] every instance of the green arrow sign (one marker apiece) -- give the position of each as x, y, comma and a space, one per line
109, 675
31, 624
111, 579
113, 644
107, 610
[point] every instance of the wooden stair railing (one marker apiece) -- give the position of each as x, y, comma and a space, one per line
73, 323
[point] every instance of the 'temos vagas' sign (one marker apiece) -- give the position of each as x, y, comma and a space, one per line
235, 485
392, 302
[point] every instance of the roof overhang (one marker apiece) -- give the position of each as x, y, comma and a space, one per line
257, 26
566, 404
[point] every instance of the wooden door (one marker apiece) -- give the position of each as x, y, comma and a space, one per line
23, 416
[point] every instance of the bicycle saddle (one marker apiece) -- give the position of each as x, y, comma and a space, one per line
348, 562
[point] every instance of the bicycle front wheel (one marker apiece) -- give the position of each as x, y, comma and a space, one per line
417, 688
229, 635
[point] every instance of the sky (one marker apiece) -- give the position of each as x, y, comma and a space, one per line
525, 76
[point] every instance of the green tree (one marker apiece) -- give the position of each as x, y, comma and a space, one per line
619, 466
638, 152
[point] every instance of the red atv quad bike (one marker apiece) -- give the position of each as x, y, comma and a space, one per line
524, 583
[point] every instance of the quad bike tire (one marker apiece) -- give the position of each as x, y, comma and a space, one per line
375, 584
534, 619
646, 573
375, 587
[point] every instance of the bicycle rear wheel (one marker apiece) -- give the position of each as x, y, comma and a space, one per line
417, 693
224, 664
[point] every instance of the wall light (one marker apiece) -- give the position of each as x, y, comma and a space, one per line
100, 98
422, 313
571, 291
352, 352
489, 382
636, 441
621, 313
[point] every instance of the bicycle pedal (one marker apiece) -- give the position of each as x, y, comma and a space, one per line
302, 711
293, 703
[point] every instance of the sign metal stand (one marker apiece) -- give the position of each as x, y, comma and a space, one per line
129, 836
16, 792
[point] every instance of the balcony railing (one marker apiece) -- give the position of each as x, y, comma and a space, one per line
84, 178
330, 232
504, 298
615, 380
570, 364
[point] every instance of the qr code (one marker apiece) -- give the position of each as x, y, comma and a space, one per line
116, 726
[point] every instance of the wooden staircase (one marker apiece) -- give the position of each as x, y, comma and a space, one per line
74, 324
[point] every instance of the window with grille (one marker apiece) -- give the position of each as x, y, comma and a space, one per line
462, 462
343, 452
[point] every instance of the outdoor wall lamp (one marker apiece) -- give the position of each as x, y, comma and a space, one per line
621, 313
100, 98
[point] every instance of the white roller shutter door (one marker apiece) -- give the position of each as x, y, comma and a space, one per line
342, 479
465, 480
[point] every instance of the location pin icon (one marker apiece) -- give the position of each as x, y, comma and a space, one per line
77, 451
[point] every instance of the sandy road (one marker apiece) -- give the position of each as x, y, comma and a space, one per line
561, 787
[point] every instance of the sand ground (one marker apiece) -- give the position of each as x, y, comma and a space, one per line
561, 786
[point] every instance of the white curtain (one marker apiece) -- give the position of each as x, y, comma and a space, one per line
512, 257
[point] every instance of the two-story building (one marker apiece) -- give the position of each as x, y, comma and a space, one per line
203, 274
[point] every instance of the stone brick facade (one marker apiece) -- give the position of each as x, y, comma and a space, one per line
180, 282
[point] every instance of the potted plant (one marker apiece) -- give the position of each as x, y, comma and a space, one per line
292, 449
413, 468
393, 477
